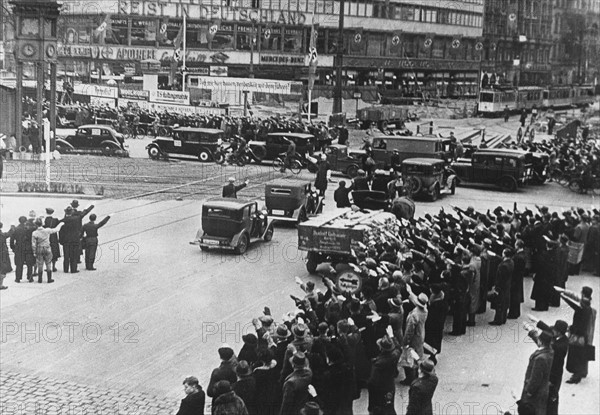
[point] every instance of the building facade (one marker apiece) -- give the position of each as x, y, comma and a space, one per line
542, 42
411, 47
576, 42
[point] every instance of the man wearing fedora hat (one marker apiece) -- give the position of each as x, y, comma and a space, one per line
537, 376
245, 387
502, 287
384, 370
421, 390
311, 408
295, 387
230, 189
560, 346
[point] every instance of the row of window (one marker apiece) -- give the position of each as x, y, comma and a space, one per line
426, 14
290, 39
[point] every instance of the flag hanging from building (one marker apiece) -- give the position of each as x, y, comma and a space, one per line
512, 16
358, 35
429, 40
162, 30
395, 42
105, 25
177, 44
479, 45
213, 28
267, 31
312, 55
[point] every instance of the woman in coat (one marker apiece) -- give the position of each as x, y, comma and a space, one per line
5, 265
322, 172
474, 285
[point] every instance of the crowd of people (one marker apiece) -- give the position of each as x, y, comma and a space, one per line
36, 241
337, 343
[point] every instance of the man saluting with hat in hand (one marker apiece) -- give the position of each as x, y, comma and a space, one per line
230, 189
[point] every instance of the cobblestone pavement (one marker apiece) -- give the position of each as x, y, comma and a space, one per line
25, 394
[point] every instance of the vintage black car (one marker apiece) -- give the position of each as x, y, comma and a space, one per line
232, 224
292, 200
93, 137
187, 141
342, 161
428, 177
277, 143
505, 168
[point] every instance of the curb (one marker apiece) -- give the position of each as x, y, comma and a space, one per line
55, 195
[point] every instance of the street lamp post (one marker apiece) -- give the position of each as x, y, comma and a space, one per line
337, 96
252, 42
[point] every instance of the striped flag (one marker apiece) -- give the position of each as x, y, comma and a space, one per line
312, 55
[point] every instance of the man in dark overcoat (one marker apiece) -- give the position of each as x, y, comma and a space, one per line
502, 287
381, 384
230, 189
516, 285
90, 233
545, 276
421, 390
537, 376
70, 237
21, 247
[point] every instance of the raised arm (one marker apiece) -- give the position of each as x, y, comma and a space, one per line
103, 222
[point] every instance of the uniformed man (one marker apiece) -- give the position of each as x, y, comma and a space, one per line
230, 189
21, 248
90, 235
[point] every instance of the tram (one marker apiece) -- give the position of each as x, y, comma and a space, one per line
493, 101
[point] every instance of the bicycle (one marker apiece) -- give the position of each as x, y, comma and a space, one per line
279, 164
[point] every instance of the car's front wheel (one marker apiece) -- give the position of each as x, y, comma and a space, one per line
435, 194
269, 233
508, 184
242, 245
352, 171
204, 155
154, 153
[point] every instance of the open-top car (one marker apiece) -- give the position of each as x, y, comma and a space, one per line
292, 200
93, 137
427, 176
187, 141
232, 224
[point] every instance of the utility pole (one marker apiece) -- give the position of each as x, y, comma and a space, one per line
337, 96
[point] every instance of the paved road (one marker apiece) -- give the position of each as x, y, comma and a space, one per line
158, 308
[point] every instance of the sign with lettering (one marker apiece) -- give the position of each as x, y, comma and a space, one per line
411, 63
96, 90
133, 94
172, 97
180, 109
277, 59
245, 84
194, 8
76, 51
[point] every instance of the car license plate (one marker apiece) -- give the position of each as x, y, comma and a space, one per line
210, 242
177, 143
278, 212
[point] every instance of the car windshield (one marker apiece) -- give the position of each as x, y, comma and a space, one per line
415, 169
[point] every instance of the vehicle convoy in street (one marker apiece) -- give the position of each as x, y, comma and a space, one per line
93, 138
289, 200
427, 177
505, 168
382, 116
187, 141
232, 224
335, 236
